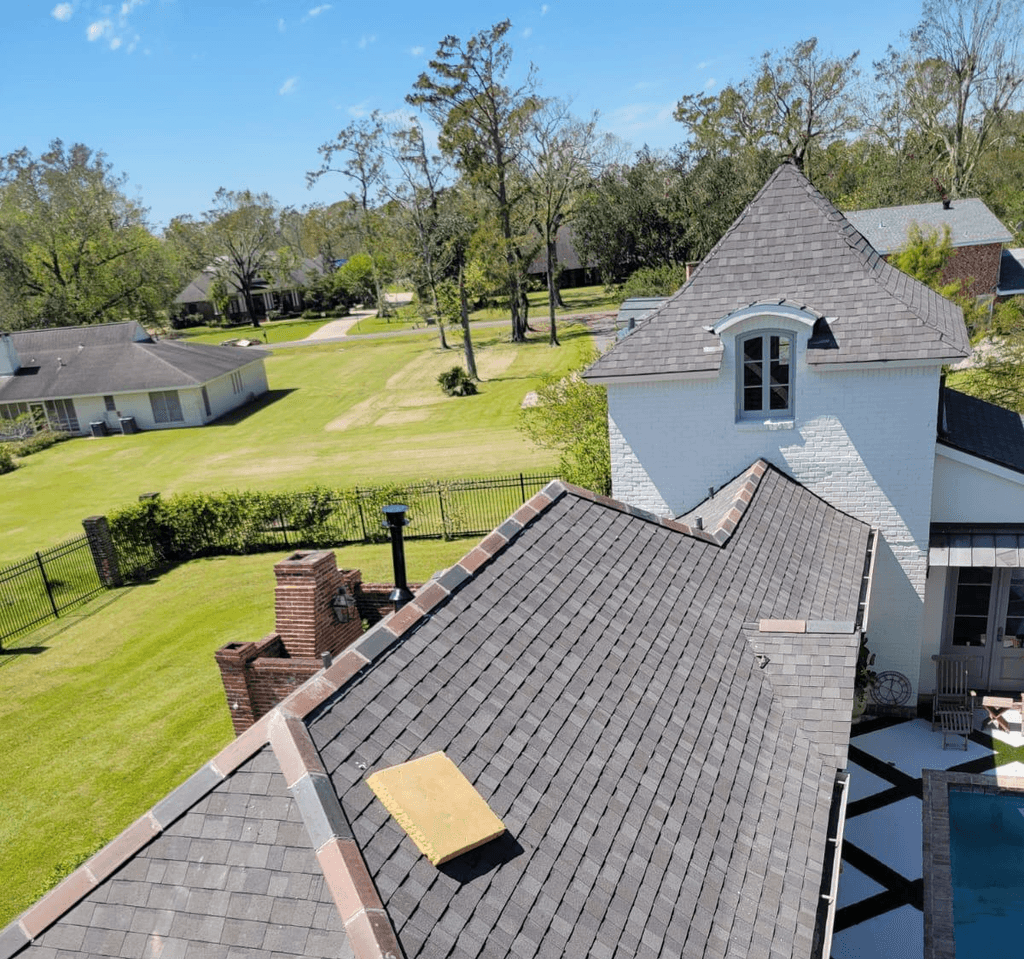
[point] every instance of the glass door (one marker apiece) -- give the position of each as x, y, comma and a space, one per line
985, 624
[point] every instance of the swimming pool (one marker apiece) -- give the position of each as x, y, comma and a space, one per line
973, 863
986, 848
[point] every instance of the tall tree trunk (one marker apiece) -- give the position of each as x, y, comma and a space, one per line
437, 317
250, 307
552, 292
467, 339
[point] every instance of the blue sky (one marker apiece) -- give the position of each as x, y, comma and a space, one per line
186, 96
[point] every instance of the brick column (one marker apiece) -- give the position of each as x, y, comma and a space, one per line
103, 553
307, 584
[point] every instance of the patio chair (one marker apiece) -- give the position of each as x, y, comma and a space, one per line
951, 690
955, 721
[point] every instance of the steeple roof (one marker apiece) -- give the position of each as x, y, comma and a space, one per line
792, 246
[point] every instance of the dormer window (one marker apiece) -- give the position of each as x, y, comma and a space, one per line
765, 375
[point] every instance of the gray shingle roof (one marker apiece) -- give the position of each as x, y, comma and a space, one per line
592, 669
982, 429
198, 289
970, 223
106, 359
790, 245
234, 876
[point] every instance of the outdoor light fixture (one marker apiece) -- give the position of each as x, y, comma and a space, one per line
342, 605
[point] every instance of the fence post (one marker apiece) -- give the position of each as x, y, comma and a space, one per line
444, 524
104, 555
284, 530
522, 486
362, 519
46, 584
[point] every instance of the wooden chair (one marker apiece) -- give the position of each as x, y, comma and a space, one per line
953, 699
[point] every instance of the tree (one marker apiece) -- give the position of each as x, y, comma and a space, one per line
241, 240
925, 254
358, 153
563, 157
571, 415
74, 249
484, 124
961, 73
795, 101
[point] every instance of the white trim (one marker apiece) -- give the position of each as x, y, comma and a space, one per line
959, 456
781, 311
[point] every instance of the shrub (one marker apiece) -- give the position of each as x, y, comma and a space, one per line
654, 281
7, 464
456, 382
42, 440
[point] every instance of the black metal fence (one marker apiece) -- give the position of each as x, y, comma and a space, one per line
44, 585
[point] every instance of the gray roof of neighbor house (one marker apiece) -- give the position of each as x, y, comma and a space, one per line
198, 289
565, 252
65, 362
970, 223
792, 246
599, 675
982, 429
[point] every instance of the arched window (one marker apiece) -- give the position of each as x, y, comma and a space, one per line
765, 374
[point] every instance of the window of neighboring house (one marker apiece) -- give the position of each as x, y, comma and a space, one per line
108, 403
62, 416
236, 382
765, 375
166, 407
206, 402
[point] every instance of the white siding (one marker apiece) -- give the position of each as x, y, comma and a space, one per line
864, 440
223, 397
971, 490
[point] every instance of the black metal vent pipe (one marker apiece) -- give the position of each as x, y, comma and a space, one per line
394, 520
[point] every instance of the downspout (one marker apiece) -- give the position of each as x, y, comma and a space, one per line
834, 849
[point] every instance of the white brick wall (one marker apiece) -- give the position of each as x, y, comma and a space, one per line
863, 440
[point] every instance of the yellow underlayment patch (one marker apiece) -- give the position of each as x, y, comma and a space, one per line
437, 806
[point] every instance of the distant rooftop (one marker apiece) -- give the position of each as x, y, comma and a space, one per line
970, 223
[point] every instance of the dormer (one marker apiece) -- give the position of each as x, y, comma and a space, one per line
9, 361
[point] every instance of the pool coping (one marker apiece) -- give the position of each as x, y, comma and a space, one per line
939, 938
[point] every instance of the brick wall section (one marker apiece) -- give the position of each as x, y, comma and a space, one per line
102, 547
307, 583
258, 675
373, 600
980, 263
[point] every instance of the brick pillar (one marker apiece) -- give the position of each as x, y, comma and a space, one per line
102, 548
307, 618
236, 661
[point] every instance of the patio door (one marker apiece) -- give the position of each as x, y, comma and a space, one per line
985, 622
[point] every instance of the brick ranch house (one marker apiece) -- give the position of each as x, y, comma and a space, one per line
652, 692
66, 378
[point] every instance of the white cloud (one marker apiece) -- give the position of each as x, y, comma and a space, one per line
280, 26
115, 42
417, 51
97, 29
62, 11
527, 32
316, 11
359, 109
711, 83
365, 41
544, 9
289, 86
636, 119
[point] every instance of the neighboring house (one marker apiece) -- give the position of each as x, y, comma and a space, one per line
975, 232
68, 378
574, 271
825, 360
283, 296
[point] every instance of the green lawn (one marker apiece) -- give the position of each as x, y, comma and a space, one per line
357, 413
106, 710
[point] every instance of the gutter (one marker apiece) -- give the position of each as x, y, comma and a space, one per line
834, 865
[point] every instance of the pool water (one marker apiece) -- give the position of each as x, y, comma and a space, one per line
986, 847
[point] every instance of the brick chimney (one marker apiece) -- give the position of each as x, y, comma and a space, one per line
309, 602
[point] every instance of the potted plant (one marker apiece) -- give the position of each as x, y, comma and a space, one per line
864, 679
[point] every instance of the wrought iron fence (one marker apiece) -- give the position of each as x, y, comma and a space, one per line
44, 585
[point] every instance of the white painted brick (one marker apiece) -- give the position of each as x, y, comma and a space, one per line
862, 440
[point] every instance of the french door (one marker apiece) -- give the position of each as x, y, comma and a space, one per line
985, 622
